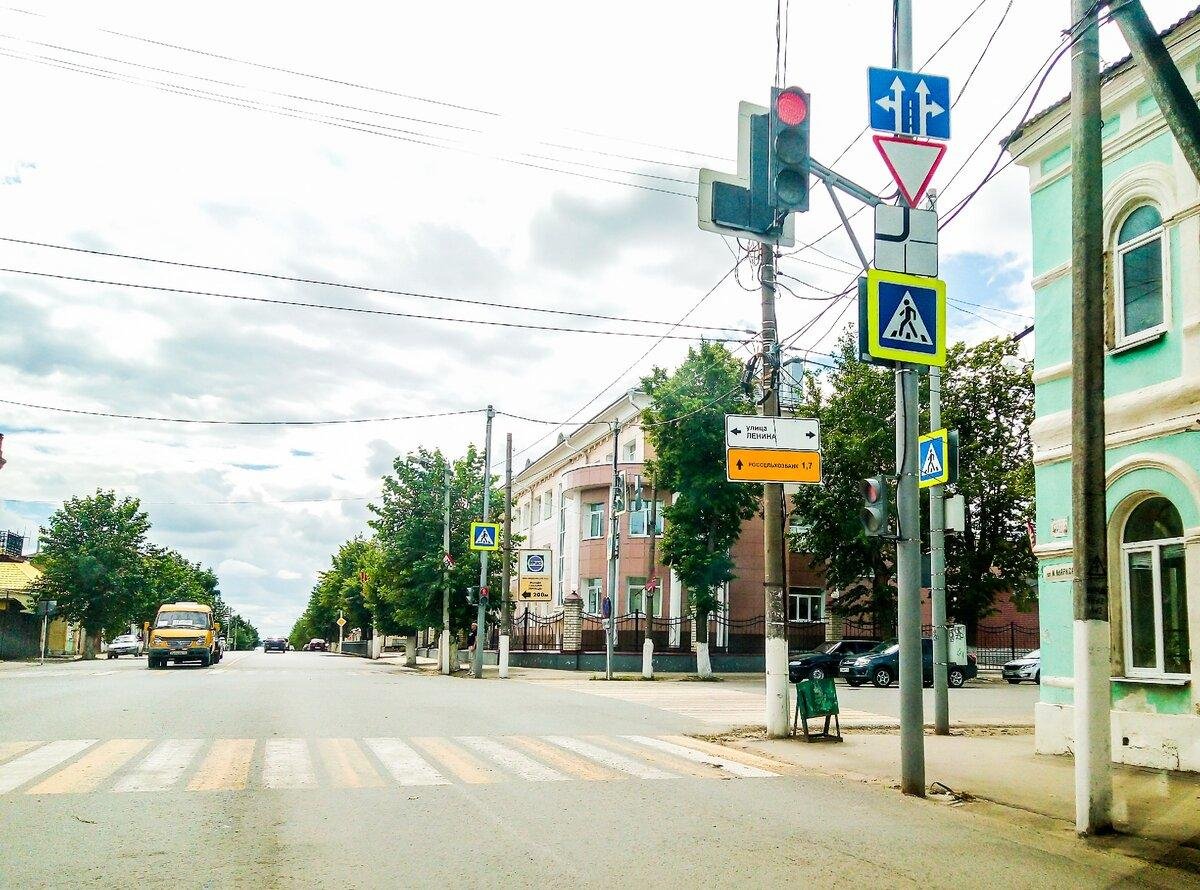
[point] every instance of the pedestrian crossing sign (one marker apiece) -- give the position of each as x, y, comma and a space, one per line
934, 460
906, 318
485, 536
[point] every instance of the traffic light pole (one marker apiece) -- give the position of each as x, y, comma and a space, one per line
776, 654
481, 613
937, 572
648, 595
908, 516
614, 525
444, 647
506, 578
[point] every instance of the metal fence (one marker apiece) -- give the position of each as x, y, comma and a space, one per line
1003, 642
531, 633
669, 634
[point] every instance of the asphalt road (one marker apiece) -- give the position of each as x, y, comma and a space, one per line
306, 769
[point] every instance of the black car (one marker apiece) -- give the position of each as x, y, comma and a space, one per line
881, 666
824, 660
277, 644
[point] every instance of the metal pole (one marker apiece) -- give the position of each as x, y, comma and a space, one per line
444, 648
776, 650
648, 595
42, 645
1093, 742
506, 598
340, 627
481, 612
614, 526
937, 571
908, 515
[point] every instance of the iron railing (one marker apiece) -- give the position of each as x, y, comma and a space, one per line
531, 633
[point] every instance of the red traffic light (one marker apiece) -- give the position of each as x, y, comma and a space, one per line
870, 491
791, 108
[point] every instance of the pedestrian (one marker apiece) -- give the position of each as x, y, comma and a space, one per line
471, 640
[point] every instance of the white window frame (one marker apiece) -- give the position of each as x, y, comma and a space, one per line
1154, 548
629, 451
593, 587
1121, 340
801, 593
547, 504
590, 515
644, 513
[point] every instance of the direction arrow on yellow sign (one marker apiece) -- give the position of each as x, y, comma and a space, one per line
772, 465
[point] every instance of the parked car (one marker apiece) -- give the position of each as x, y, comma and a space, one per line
882, 668
1027, 667
274, 644
125, 644
316, 645
848, 662
824, 660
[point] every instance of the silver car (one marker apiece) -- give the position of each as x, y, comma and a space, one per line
1027, 667
125, 644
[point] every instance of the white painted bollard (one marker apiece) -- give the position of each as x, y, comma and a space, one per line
503, 656
648, 659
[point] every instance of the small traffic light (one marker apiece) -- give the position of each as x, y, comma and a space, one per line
619, 494
789, 166
473, 596
874, 514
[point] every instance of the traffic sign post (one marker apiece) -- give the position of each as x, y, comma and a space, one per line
906, 318
772, 449
485, 536
534, 580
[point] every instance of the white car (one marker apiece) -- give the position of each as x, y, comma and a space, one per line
1027, 667
125, 644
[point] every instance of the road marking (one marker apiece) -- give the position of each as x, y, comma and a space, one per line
163, 767
658, 758
746, 757
512, 760
86, 773
12, 749
286, 764
347, 765
226, 768
29, 766
465, 767
578, 767
732, 766
405, 765
610, 758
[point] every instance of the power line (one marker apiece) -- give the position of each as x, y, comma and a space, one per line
359, 310
275, 276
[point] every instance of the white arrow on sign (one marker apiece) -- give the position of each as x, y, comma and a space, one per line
893, 104
911, 163
790, 433
925, 108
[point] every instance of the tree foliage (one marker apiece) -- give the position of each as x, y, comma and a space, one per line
685, 425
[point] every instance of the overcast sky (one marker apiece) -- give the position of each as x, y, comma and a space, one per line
420, 171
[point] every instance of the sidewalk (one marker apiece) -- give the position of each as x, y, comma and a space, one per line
1000, 765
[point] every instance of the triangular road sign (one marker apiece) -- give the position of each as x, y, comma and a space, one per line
911, 162
906, 323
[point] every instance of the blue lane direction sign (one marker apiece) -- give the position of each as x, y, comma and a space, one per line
909, 103
906, 318
933, 458
485, 536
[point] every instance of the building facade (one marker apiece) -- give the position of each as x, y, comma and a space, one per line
1152, 404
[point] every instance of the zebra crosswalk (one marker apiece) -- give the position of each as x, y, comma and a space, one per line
131, 766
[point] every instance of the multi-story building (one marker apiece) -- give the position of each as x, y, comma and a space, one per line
1152, 404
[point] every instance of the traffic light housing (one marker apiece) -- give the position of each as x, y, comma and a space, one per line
473, 596
789, 168
874, 514
619, 494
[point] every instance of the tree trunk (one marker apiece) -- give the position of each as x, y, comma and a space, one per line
91, 644
410, 650
703, 664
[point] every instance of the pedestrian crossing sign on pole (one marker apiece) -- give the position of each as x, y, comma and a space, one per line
906, 318
485, 536
937, 458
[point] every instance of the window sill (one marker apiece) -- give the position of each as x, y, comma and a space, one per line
1144, 338
1154, 681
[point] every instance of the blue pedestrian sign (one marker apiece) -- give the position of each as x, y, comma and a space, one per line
485, 536
909, 103
906, 318
933, 458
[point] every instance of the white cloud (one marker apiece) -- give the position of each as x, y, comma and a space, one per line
236, 568
288, 575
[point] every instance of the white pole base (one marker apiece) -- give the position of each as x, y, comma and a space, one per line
703, 664
648, 660
503, 656
444, 652
1093, 728
777, 688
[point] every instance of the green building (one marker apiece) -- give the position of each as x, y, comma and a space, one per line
1152, 411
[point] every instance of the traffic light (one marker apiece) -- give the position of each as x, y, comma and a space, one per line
789, 166
874, 514
619, 494
473, 596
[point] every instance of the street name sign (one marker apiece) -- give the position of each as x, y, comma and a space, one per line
792, 433
906, 318
534, 581
772, 465
911, 162
933, 458
909, 103
485, 536
906, 240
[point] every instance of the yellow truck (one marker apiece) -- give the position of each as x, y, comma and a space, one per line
183, 632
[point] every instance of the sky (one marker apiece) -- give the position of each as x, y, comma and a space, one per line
536, 154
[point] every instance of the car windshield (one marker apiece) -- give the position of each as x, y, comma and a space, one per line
885, 646
123, 638
825, 648
182, 619
1036, 653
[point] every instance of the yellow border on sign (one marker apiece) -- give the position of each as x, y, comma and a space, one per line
494, 526
874, 278
944, 435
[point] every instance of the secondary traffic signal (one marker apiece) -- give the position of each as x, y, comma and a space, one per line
789, 167
619, 494
473, 596
874, 514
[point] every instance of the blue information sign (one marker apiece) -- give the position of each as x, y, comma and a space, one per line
909, 103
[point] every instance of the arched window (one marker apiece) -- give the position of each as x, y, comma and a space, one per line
1140, 271
1156, 629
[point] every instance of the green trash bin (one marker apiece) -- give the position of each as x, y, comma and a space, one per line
816, 699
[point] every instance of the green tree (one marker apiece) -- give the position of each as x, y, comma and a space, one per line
171, 578
685, 425
93, 562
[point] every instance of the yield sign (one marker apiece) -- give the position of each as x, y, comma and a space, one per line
911, 163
